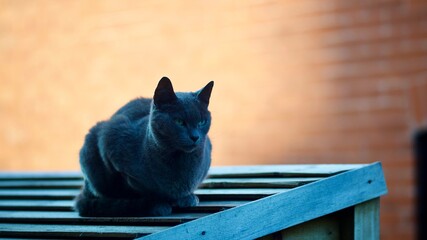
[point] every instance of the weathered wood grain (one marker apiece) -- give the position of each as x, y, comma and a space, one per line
59, 230
40, 204
323, 228
68, 194
291, 170
40, 175
56, 217
208, 183
367, 220
284, 210
41, 184
43, 194
36, 205
256, 182
67, 205
237, 193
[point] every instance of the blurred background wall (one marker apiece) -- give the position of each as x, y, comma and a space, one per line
295, 81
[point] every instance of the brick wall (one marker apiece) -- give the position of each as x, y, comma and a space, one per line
296, 81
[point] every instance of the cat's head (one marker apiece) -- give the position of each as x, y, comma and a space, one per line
180, 120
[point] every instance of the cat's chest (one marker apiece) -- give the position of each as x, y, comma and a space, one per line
183, 175
185, 167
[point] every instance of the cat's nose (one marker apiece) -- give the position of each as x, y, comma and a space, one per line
194, 138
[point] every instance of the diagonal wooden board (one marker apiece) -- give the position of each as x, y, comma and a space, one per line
283, 210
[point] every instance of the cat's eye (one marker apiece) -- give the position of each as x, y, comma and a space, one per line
179, 122
202, 123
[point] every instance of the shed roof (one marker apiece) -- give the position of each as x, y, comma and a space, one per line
242, 202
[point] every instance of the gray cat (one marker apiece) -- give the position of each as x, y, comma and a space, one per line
150, 156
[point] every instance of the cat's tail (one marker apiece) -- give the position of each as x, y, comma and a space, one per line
90, 206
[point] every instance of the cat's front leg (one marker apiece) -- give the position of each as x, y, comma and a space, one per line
187, 201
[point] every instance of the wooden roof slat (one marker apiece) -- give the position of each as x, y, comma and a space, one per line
40, 175
60, 194
208, 183
36, 205
57, 217
290, 170
42, 184
256, 182
67, 205
60, 230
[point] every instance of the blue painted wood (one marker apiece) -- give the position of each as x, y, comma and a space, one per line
40, 175
288, 170
286, 209
57, 230
367, 220
207, 183
69, 194
67, 205
57, 217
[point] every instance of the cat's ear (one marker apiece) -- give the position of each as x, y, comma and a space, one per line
164, 93
204, 94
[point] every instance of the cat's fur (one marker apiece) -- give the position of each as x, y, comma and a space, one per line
150, 156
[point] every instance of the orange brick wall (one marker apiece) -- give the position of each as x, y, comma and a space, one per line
296, 81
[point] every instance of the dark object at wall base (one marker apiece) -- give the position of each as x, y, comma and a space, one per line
420, 150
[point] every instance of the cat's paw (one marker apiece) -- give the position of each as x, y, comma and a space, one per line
161, 209
188, 201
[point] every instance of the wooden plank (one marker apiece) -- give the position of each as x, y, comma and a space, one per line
328, 227
222, 204
208, 183
284, 210
237, 193
7, 238
58, 194
40, 175
37, 205
324, 228
211, 206
74, 218
41, 184
256, 182
68, 194
367, 220
67, 205
290, 170
58, 230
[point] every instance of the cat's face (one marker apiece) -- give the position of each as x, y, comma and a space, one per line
180, 120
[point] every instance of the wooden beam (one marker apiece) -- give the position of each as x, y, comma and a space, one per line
283, 210
55, 230
56, 217
69, 194
367, 220
208, 183
290, 170
324, 228
67, 205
